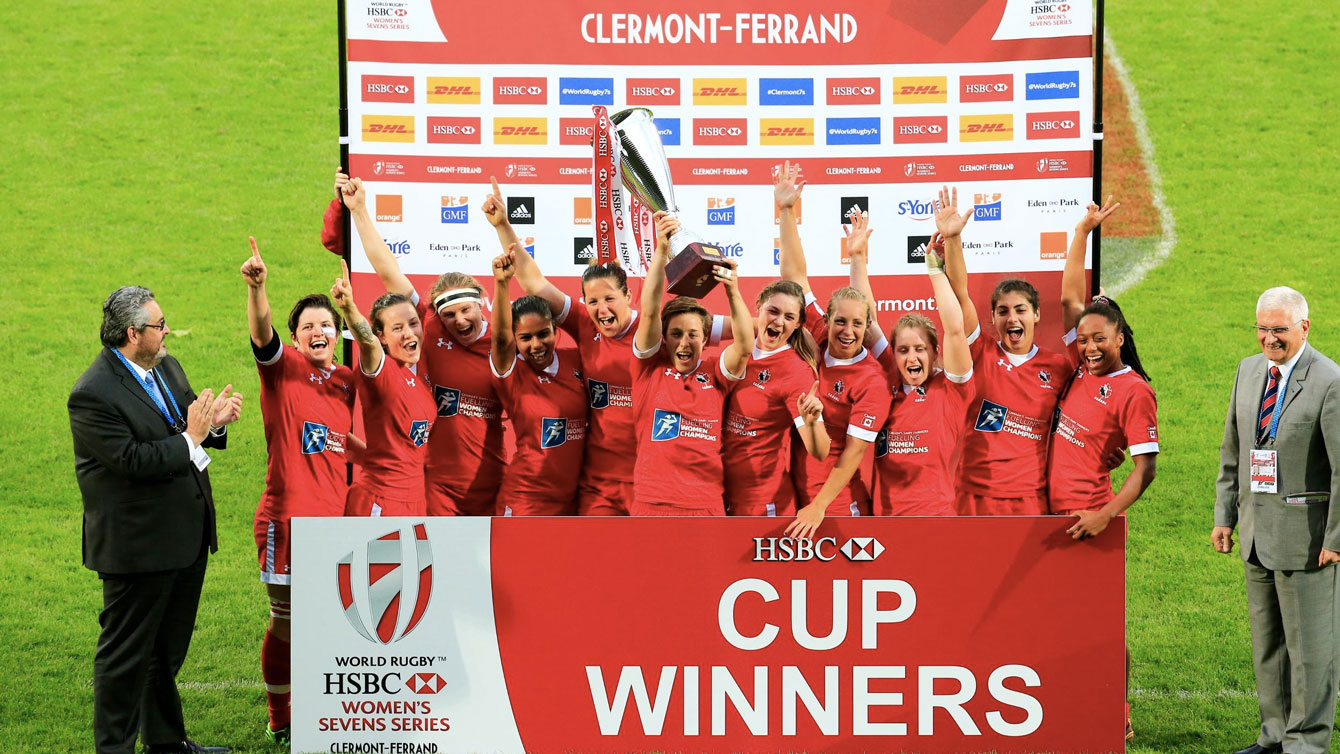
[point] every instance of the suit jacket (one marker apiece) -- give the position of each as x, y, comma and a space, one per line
146, 506
1288, 528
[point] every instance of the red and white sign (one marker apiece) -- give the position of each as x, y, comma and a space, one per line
654, 634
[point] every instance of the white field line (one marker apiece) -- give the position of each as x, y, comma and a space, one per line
1167, 227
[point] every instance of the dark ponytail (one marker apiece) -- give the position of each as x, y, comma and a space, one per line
1108, 309
531, 305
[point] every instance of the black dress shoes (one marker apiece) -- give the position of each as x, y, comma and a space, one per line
186, 746
1259, 749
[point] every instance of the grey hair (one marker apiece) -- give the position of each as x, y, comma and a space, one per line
1283, 298
124, 308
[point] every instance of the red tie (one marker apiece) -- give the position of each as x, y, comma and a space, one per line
1268, 404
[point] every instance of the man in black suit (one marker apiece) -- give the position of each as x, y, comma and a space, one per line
140, 435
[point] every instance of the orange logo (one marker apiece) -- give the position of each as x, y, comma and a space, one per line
388, 128
920, 90
581, 210
1052, 245
390, 208
795, 210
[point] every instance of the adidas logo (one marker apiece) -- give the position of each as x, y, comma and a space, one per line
522, 212
589, 252
855, 209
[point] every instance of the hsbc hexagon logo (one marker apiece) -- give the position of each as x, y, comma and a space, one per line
399, 571
425, 683
861, 549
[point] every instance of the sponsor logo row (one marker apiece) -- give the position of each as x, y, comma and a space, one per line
905, 90
928, 129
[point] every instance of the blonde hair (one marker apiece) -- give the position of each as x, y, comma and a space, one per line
909, 321
450, 280
848, 293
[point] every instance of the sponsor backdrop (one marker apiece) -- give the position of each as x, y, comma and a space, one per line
880, 103
552, 635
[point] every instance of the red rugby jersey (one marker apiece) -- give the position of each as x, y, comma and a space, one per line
609, 388
548, 413
465, 452
1098, 416
760, 412
679, 432
915, 451
1009, 421
398, 416
307, 413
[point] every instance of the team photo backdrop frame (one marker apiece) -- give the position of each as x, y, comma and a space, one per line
555, 635
880, 103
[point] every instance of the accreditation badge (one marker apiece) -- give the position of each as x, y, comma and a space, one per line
1265, 471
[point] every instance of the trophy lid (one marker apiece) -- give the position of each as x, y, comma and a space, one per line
642, 161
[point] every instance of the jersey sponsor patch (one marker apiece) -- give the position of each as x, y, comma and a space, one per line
314, 437
664, 425
599, 392
448, 400
882, 443
991, 417
553, 432
418, 432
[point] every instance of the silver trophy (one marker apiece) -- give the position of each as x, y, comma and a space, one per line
646, 173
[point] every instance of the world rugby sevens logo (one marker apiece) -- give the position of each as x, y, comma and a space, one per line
382, 589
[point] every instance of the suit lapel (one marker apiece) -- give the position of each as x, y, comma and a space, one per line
131, 383
1296, 379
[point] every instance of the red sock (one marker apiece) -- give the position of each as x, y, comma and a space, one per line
275, 673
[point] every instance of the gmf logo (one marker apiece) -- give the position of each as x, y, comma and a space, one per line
386, 586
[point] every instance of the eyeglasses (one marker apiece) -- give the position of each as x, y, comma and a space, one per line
161, 326
1276, 331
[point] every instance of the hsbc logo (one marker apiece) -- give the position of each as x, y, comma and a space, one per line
652, 92
719, 131
520, 91
825, 549
852, 91
453, 130
933, 128
921, 130
722, 131
397, 574
577, 131
388, 89
994, 88
1062, 125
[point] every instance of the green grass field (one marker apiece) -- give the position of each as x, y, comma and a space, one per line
144, 141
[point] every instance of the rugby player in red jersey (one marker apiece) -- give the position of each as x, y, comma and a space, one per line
398, 409
852, 386
602, 322
466, 449
678, 399
307, 409
776, 394
1003, 466
543, 391
915, 450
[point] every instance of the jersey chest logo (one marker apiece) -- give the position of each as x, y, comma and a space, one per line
599, 393
1045, 378
418, 432
444, 343
1104, 392
764, 375
317, 378
664, 425
1004, 363
553, 432
545, 379
448, 400
313, 438
991, 417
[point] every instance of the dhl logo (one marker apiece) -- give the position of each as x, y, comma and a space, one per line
453, 90
920, 90
520, 131
986, 127
790, 131
399, 128
720, 91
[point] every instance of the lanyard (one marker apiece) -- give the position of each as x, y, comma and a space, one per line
1280, 391
155, 396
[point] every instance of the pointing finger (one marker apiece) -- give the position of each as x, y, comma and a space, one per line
255, 252
814, 388
496, 191
344, 270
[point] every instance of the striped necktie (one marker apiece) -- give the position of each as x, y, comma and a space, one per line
1268, 404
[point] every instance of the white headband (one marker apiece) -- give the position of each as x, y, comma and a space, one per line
456, 296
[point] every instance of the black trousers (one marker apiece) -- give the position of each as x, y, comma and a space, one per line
147, 620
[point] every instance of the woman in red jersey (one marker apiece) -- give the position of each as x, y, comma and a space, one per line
776, 394
602, 321
852, 387
1003, 467
542, 389
466, 450
398, 409
1109, 406
678, 399
915, 451
307, 409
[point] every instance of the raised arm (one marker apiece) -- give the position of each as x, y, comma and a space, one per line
379, 254
527, 272
258, 305
857, 233
954, 350
786, 188
370, 352
1073, 292
648, 335
735, 356
950, 224
503, 351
